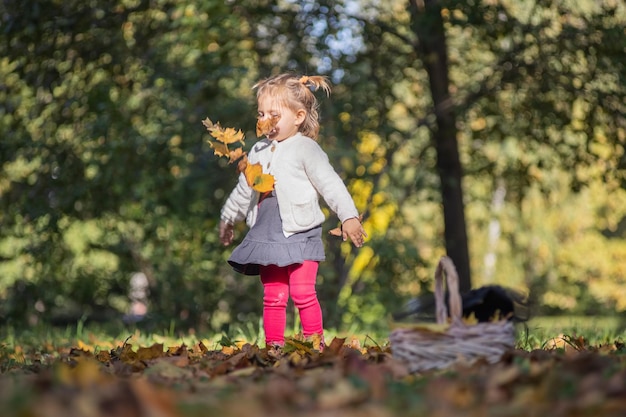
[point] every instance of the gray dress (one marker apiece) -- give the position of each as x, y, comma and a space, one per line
265, 243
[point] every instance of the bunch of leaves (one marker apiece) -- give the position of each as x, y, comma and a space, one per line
229, 142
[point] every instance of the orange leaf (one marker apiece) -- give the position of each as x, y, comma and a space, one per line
264, 127
228, 350
257, 179
235, 155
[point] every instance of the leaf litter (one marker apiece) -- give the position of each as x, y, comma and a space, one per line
566, 378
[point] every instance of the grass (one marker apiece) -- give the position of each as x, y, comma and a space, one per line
542, 331
18, 345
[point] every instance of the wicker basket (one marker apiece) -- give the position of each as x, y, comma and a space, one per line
428, 347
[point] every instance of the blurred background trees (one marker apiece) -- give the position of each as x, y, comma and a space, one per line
106, 173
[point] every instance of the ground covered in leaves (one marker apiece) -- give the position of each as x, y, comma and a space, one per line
346, 379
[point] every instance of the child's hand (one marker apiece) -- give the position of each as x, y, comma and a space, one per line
353, 229
227, 233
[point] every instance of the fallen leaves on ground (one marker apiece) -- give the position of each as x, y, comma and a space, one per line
346, 379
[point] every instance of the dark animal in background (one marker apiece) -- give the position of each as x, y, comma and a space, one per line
485, 303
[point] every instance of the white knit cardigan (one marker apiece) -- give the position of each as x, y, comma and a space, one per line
301, 172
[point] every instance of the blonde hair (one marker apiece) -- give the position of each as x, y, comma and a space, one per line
296, 93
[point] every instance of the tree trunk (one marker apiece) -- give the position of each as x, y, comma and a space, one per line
427, 25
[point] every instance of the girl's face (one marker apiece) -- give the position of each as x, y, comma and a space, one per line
287, 122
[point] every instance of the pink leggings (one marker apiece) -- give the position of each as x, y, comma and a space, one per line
297, 281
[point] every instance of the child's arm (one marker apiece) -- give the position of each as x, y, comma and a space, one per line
234, 210
227, 233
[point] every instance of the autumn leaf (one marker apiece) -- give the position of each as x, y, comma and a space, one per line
86, 371
220, 149
208, 124
152, 352
294, 345
235, 155
264, 127
224, 135
257, 179
103, 356
212, 127
223, 138
228, 135
335, 346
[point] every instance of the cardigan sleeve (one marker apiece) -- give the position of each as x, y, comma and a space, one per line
327, 182
236, 206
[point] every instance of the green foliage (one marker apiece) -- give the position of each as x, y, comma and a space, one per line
105, 173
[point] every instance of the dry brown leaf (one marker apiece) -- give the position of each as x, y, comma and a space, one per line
335, 346
152, 352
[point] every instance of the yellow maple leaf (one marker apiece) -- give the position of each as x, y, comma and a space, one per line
228, 135
257, 179
225, 135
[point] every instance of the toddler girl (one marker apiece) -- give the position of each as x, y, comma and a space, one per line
284, 243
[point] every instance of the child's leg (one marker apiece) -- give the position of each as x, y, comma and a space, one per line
275, 281
302, 279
